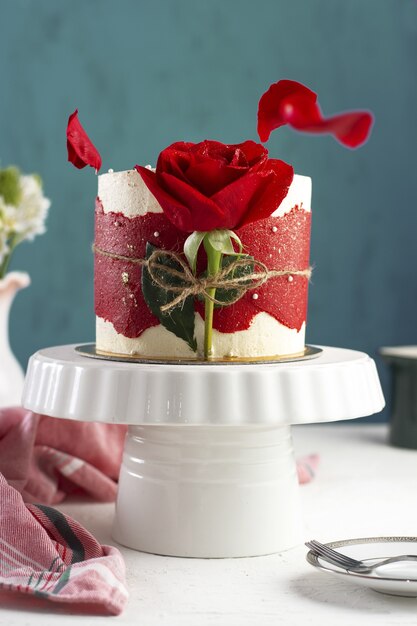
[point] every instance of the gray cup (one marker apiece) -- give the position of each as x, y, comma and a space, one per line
402, 361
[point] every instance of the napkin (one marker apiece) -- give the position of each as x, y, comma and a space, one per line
50, 556
306, 468
47, 458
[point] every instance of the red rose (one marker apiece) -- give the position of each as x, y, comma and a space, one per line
210, 185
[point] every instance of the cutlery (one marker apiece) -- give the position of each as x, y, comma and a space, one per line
353, 565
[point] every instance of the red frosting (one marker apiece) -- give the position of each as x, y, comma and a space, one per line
122, 303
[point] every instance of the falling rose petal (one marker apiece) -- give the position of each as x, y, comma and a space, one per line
81, 151
289, 102
270, 115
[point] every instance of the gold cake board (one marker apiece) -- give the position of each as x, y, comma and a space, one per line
90, 350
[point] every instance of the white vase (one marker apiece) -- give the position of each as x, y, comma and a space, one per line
11, 374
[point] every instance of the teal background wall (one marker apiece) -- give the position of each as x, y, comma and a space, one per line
144, 74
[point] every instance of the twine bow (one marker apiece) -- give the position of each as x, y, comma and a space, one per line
191, 285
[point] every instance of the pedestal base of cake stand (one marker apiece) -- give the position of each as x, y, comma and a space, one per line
208, 491
208, 467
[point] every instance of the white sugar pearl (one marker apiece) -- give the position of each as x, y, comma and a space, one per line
110, 171
156, 234
274, 229
290, 279
255, 296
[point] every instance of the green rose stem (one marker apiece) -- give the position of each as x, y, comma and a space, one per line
214, 259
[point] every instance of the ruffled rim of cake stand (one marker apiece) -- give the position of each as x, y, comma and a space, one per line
338, 384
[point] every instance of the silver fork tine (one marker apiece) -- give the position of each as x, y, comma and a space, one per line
316, 545
337, 557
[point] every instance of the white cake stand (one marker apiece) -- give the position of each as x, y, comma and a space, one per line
208, 467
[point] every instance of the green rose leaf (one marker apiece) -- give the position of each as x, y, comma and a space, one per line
179, 320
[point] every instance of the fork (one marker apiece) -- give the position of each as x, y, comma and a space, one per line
349, 564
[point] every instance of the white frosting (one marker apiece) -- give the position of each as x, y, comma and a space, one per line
125, 192
298, 194
264, 337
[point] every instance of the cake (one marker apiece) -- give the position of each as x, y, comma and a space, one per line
207, 255
268, 321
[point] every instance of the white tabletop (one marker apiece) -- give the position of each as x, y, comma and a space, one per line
363, 488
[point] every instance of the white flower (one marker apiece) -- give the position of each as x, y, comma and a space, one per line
4, 248
28, 218
6, 226
23, 216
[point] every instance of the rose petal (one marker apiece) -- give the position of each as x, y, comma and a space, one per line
269, 196
211, 176
176, 212
289, 102
269, 110
210, 171
256, 195
81, 151
175, 159
205, 214
351, 129
255, 152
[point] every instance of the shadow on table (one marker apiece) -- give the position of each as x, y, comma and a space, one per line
334, 593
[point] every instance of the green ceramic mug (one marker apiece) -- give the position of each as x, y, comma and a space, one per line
402, 361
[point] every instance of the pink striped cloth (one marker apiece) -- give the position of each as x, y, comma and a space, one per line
51, 557
306, 468
47, 458
43, 552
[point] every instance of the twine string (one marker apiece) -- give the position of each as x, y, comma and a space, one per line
192, 285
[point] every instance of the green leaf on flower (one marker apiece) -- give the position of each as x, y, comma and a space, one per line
229, 294
179, 320
237, 239
221, 241
191, 247
10, 187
